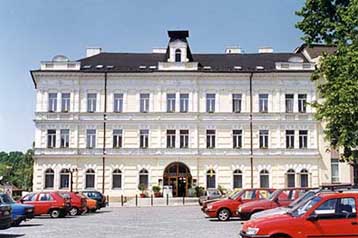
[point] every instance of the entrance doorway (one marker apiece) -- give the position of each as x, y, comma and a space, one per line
178, 176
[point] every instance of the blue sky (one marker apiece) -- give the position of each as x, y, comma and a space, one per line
31, 31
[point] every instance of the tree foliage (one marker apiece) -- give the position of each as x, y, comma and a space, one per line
336, 22
16, 168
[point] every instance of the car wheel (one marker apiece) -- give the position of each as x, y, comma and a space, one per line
55, 213
74, 211
17, 222
224, 214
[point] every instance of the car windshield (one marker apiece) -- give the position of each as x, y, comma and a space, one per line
303, 207
236, 194
6, 199
304, 197
274, 194
92, 194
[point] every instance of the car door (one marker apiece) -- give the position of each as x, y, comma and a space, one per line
335, 217
44, 202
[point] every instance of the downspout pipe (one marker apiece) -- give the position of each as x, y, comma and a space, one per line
251, 133
104, 133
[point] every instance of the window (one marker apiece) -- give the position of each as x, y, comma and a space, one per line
91, 102
290, 139
210, 102
184, 102
289, 102
64, 178
237, 139
304, 178
90, 178
65, 138
170, 138
263, 102
117, 138
144, 102
177, 55
143, 177
341, 208
171, 102
302, 100
49, 178
52, 102
210, 179
65, 102
335, 170
45, 197
291, 183
236, 103
264, 137
303, 137
91, 138
117, 178
143, 138
264, 179
210, 139
51, 138
118, 102
184, 138
237, 179
29, 197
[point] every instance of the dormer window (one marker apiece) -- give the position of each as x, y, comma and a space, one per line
178, 55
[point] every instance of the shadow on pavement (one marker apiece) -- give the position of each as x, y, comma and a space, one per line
10, 235
27, 225
231, 220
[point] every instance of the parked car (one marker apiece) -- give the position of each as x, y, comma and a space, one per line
51, 203
207, 202
5, 216
91, 204
226, 208
99, 197
19, 212
210, 193
280, 198
78, 203
324, 215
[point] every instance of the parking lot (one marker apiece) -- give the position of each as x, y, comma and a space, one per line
129, 222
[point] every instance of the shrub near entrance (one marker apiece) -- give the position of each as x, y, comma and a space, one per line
142, 188
156, 191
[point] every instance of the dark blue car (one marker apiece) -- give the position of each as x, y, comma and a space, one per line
20, 212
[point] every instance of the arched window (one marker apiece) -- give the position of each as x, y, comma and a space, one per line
178, 55
49, 178
64, 178
304, 178
291, 183
210, 179
90, 178
264, 179
143, 177
117, 178
237, 179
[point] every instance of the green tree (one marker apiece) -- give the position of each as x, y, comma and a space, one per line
336, 22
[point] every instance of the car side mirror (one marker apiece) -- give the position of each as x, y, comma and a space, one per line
312, 217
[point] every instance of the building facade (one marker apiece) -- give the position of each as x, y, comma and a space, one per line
112, 121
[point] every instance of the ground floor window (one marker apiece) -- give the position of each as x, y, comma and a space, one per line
304, 178
237, 179
335, 170
90, 178
210, 179
143, 177
49, 178
117, 178
290, 176
264, 179
64, 178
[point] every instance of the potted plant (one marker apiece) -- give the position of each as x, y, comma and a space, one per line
142, 188
156, 191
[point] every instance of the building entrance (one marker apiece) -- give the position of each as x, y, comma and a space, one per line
178, 176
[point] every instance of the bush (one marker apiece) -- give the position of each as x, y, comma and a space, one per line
156, 189
142, 187
199, 191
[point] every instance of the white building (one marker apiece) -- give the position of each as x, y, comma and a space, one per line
115, 120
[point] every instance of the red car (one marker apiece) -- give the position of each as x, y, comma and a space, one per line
226, 208
280, 198
324, 215
51, 203
78, 202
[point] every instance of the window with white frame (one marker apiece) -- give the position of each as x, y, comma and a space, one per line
289, 102
335, 170
118, 102
210, 102
64, 178
143, 177
303, 139
184, 102
184, 138
264, 179
290, 139
291, 178
52, 102
144, 138
117, 138
65, 102
49, 178
302, 100
65, 138
51, 138
170, 138
264, 139
90, 178
171, 102
236, 102
237, 139
91, 102
177, 55
304, 178
263, 102
117, 179
211, 179
237, 179
144, 102
210, 139
91, 138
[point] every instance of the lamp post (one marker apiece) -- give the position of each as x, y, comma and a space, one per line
71, 177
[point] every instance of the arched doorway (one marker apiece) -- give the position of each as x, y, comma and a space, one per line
178, 176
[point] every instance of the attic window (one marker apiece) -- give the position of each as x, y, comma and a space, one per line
178, 55
259, 67
142, 67
87, 66
207, 67
110, 66
152, 67
237, 67
99, 66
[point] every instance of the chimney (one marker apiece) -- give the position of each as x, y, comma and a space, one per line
233, 50
263, 50
93, 51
